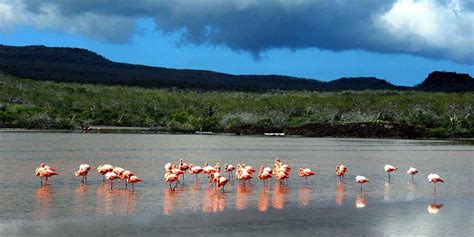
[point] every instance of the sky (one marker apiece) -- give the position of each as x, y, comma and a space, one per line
401, 41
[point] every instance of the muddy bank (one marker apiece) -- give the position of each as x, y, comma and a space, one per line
361, 130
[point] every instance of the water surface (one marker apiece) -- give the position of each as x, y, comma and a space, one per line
322, 206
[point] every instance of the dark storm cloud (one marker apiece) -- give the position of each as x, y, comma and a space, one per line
436, 29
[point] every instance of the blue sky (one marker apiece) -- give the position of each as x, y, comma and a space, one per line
222, 39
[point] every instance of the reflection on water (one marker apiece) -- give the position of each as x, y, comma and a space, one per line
263, 199
42, 202
304, 196
280, 196
340, 188
411, 191
361, 201
386, 191
80, 196
434, 208
118, 201
214, 201
96, 205
243, 194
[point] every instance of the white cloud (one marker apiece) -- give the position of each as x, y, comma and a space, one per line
442, 27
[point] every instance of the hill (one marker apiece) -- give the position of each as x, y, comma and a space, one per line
84, 66
447, 82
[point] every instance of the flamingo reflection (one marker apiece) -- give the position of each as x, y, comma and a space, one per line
242, 195
340, 188
79, 199
214, 201
434, 208
280, 195
411, 190
361, 201
42, 203
263, 199
116, 202
304, 196
170, 201
386, 193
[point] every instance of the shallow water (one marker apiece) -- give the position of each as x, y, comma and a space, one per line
322, 206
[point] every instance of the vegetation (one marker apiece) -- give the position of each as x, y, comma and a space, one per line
26, 103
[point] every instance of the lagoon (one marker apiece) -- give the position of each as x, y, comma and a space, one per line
322, 206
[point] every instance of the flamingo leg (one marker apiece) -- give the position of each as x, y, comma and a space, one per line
111, 184
388, 176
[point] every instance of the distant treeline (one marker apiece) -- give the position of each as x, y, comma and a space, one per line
46, 105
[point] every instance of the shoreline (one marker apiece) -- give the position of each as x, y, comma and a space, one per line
149, 130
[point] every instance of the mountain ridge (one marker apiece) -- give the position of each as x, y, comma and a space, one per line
63, 64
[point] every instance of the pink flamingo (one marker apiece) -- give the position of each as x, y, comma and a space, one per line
207, 169
243, 174
306, 173
264, 174
340, 171
281, 171
183, 167
168, 167
104, 169
435, 178
45, 171
412, 171
195, 170
83, 171
221, 181
229, 169
171, 178
389, 169
361, 180
111, 176
133, 179
125, 176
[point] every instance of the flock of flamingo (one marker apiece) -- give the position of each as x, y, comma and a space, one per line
244, 173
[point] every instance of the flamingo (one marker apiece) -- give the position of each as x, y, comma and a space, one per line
168, 167
83, 171
264, 174
229, 169
133, 179
111, 175
221, 182
195, 170
306, 173
126, 175
389, 169
281, 171
412, 171
104, 169
207, 169
361, 180
175, 170
183, 166
340, 171
243, 174
45, 171
171, 178
435, 178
